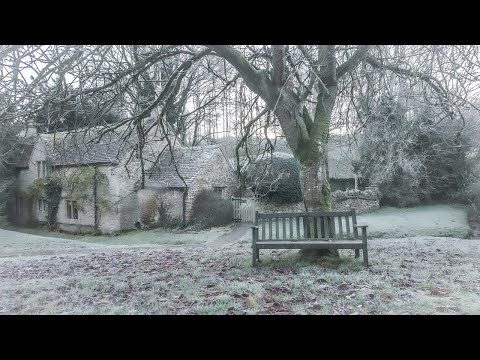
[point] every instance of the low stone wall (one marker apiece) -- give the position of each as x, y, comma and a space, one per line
362, 200
271, 207
362, 205
76, 228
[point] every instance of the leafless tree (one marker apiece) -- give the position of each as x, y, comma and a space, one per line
193, 93
306, 86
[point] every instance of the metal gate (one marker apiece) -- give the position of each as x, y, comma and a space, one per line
243, 209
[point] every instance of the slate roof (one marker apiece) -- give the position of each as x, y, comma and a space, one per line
189, 161
83, 148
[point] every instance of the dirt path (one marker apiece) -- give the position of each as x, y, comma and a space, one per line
233, 236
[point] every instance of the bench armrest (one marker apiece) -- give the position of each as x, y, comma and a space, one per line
254, 235
364, 232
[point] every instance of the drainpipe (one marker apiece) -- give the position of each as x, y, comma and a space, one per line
184, 208
95, 205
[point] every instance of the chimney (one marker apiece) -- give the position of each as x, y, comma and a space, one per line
31, 129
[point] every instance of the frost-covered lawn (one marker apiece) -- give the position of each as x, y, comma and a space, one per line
389, 222
423, 275
432, 220
101, 275
135, 237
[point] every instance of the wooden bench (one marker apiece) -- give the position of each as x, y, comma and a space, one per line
310, 230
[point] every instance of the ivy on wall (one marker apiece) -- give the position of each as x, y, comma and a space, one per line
49, 188
79, 186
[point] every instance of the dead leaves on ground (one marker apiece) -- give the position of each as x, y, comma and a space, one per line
184, 281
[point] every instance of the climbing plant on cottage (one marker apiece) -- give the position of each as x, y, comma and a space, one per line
83, 184
50, 188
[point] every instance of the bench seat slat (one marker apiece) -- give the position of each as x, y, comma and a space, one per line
297, 219
340, 228
291, 227
270, 228
310, 244
263, 228
312, 213
347, 226
277, 234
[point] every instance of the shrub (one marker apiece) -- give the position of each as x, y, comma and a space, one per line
278, 179
410, 155
470, 195
148, 211
209, 209
49, 187
165, 219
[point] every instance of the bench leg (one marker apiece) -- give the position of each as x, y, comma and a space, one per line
258, 255
365, 257
254, 256
357, 253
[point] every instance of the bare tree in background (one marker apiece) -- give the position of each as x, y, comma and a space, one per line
308, 84
186, 90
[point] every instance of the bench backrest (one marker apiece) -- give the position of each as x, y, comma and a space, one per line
308, 225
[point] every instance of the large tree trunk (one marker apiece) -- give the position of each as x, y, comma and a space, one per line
312, 159
308, 139
315, 187
309, 147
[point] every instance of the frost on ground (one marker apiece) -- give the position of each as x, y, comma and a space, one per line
431, 220
422, 275
41, 241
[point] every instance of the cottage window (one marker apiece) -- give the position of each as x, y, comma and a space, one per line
72, 210
218, 191
42, 169
42, 205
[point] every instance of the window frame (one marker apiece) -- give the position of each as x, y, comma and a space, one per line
72, 210
219, 190
42, 169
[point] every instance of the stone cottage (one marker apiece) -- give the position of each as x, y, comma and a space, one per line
117, 202
175, 180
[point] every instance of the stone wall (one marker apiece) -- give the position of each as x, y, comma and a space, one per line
123, 212
364, 201
29, 213
217, 173
271, 207
150, 200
